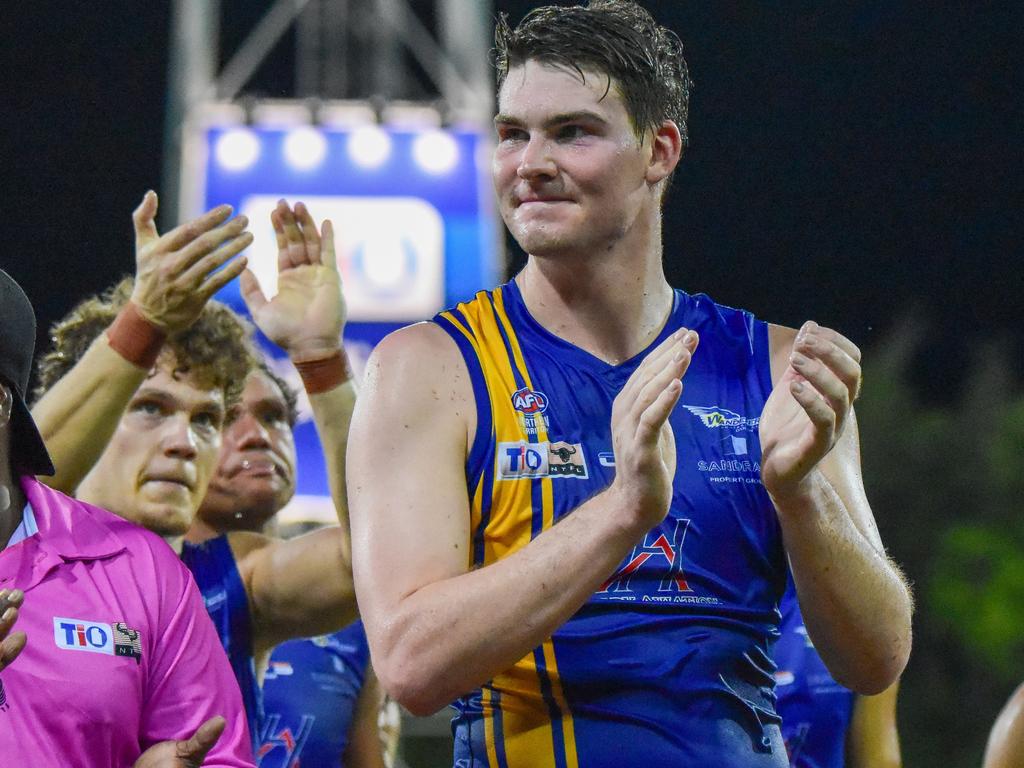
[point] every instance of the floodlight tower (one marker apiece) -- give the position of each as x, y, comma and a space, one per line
344, 49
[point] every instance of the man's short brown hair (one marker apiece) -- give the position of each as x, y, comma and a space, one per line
616, 38
216, 349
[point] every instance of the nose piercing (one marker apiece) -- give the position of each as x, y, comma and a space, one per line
246, 464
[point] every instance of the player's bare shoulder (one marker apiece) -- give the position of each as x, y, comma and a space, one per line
246, 544
419, 370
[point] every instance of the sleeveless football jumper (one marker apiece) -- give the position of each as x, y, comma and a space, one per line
310, 694
669, 662
213, 566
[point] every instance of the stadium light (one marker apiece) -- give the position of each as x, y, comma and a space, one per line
305, 148
369, 146
435, 152
237, 149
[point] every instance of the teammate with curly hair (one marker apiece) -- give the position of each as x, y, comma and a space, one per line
134, 398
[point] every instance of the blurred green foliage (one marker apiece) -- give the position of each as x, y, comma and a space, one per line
946, 483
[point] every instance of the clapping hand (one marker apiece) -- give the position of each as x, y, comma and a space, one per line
808, 409
176, 273
306, 316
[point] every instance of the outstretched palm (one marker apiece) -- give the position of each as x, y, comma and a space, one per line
307, 314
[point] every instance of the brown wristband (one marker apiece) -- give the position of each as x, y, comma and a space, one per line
324, 373
134, 338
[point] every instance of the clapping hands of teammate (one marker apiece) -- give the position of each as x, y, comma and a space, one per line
11, 643
176, 273
645, 455
808, 408
187, 753
306, 316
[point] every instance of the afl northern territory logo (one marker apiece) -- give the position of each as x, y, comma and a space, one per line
529, 401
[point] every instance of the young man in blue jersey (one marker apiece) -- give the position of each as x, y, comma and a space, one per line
825, 724
548, 528
321, 699
132, 427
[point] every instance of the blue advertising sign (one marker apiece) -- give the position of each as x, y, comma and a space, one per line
414, 222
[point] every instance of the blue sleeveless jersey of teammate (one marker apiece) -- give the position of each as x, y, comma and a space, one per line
815, 709
309, 696
669, 663
213, 566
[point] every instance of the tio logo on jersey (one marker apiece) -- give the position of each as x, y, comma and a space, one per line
530, 460
116, 639
80, 635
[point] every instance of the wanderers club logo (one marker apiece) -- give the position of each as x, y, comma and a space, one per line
714, 417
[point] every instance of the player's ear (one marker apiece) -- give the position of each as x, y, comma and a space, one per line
666, 149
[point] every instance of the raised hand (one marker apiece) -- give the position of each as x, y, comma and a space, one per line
808, 408
11, 643
645, 455
175, 274
307, 315
187, 753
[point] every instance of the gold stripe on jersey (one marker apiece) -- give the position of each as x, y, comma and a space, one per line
526, 725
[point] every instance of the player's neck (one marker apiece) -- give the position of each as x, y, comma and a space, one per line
612, 307
201, 530
177, 543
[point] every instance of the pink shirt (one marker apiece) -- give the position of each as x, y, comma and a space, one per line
121, 653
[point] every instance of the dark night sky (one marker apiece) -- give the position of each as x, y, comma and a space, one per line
850, 162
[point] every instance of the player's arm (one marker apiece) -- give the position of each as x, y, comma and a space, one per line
303, 586
332, 414
175, 275
297, 587
1005, 747
306, 318
856, 605
364, 748
438, 629
873, 740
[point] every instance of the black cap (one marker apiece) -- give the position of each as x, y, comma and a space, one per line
17, 343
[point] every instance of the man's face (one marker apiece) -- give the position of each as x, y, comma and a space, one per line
255, 473
158, 462
568, 169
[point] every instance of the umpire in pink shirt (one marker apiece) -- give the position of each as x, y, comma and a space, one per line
114, 660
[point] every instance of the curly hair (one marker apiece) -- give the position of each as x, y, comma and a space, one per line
617, 38
216, 349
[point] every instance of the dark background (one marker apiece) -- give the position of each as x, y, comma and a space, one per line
857, 163
850, 162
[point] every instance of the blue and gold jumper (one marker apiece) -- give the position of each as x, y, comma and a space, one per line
669, 663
